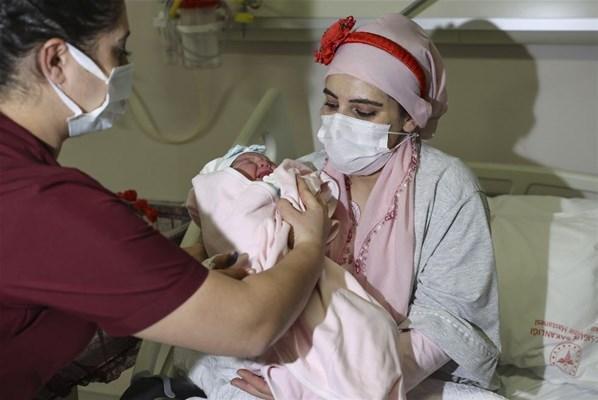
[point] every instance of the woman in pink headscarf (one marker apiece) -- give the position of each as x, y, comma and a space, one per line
414, 226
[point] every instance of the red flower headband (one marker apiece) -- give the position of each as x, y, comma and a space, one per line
341, 32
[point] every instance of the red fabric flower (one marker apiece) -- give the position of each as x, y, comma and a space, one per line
141, 206
128, 195
334, 36
151, 214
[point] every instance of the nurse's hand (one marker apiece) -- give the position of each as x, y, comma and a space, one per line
253, 384
311, 226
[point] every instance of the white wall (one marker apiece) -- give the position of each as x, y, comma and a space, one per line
507, 107
535, 105
437, 8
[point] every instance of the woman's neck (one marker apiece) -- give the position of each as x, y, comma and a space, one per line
365, 180
362, 186
40, 118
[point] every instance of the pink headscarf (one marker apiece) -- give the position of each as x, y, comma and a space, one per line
395, 55
394, 74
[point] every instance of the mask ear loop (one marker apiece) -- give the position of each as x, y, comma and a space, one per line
75, 109
404, 133
87, 63
408, 136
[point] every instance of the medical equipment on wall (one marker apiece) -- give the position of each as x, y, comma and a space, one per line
243, 16
192, 31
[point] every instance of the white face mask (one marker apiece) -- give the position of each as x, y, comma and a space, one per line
119, 86
354, 146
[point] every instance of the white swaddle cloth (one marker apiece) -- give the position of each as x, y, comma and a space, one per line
343, 346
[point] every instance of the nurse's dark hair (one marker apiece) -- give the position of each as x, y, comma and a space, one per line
26, 24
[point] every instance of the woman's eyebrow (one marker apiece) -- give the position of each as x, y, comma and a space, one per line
366, 101
329, 93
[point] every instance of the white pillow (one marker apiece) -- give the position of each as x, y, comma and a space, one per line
547, 261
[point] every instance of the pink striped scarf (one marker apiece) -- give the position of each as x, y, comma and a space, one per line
379, 250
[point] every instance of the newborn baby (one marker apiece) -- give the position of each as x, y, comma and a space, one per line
254, 166
344, 344
234, 204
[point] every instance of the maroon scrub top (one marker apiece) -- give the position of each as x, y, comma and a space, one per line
73, 258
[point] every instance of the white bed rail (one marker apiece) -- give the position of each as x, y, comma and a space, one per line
268, 124
531, 180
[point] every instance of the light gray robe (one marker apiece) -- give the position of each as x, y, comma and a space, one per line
454, 301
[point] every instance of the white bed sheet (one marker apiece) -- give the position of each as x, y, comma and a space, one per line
518, 385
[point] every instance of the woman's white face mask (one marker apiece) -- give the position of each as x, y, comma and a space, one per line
119, 86
354, 146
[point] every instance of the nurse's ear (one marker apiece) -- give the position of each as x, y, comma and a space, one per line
53, 60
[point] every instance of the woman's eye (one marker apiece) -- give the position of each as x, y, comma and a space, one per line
364, 114
331, 105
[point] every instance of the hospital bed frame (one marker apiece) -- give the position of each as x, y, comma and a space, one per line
268, 125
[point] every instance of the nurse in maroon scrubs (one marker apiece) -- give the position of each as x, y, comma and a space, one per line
73, 257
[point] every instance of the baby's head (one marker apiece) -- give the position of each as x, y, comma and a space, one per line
254, 166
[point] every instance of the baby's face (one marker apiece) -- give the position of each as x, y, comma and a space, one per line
254, 166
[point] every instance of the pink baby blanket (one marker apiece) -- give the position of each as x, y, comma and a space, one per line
344, 345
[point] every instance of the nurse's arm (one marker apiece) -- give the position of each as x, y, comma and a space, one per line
244, 317
196, 251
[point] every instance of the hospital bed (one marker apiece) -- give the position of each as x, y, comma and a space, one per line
541, 194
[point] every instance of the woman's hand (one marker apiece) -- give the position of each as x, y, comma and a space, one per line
253, 384
311, 226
